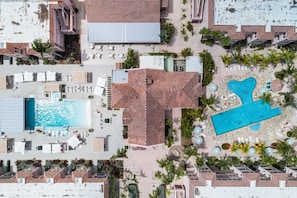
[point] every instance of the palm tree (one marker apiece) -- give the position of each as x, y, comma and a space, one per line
211, 161
155, 193
267, 160
121, 153
179, 172
234, 147
244, 148
256, 59
273, 57
266, 98
205, 31
287, 56
226, 59
163, 162
42, 48
158, 175
289, 100
284, 148
223, 164
291, 160
190, 151
200, 162
208, 101
260, 147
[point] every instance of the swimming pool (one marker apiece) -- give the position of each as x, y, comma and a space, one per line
249, 113
57, 113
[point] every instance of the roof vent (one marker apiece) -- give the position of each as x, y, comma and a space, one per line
149, 81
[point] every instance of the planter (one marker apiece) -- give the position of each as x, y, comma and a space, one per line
273, 145
226, 146
289, 134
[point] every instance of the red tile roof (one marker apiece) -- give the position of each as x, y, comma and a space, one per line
145, 104
123, 10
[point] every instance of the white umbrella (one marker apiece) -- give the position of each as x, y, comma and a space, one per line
197, 130
289, 141
216, 150
268, 151
213, 87
198, 140
252, 151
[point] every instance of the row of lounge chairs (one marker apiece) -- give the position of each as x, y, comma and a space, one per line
37, 77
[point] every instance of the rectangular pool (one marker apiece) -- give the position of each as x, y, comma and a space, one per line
242, 116
57, 113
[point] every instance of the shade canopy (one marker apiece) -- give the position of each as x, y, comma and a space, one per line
80, 76
262, 90
197, 130
98, 144
2, 81
41, 77
50, 76
252, 151
213, 87
216, 150
28, 76
276, 85
73, 141
18, 77
198, 140
268, 151
290, 141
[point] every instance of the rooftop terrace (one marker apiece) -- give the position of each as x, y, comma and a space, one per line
254, 12
23, 21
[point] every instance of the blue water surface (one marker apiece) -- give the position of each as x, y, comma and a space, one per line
250, 113
55, 113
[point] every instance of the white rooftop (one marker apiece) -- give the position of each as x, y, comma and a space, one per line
255, 12
56, 190
151, 62
23, 21
245, 192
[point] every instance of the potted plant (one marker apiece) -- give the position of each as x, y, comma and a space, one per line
226, 146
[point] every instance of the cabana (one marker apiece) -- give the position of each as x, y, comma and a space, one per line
80, 76
3, 82
18, 77
98, 144
19, 147
56, 148
50, 76
28, 77
52, 87
41, 77
101, 82
98, 91
46, 148
73, 141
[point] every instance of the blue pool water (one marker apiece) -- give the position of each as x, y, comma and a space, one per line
55, 113
250, 113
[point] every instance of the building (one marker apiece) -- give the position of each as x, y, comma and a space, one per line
145, 95
27, 20
241, 181
55, 182
125, 21
256, 21
197, 8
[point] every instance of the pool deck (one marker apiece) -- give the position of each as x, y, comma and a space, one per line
271, 129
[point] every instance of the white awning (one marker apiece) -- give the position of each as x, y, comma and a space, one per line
73, 141
28, 76
18, 78
50, 76
41, 77
19, 147
101, 82
56, 148
146, 32
98, 91
46, 148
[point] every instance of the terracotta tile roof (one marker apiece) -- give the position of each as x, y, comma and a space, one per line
123, 10
145, 104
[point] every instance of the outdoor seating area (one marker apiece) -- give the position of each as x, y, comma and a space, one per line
37, 77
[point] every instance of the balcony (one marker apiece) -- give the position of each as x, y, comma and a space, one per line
252, 38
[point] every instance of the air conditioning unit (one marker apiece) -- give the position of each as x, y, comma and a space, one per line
78, 180
21, 180
50, 180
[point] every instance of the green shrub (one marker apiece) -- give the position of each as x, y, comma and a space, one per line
186, 52
167, 31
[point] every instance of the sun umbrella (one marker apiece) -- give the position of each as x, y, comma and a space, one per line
198, 140
276, 85
216, 150
213, 87
289, 141
268, 151
197, 130
262, 90
252, 151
